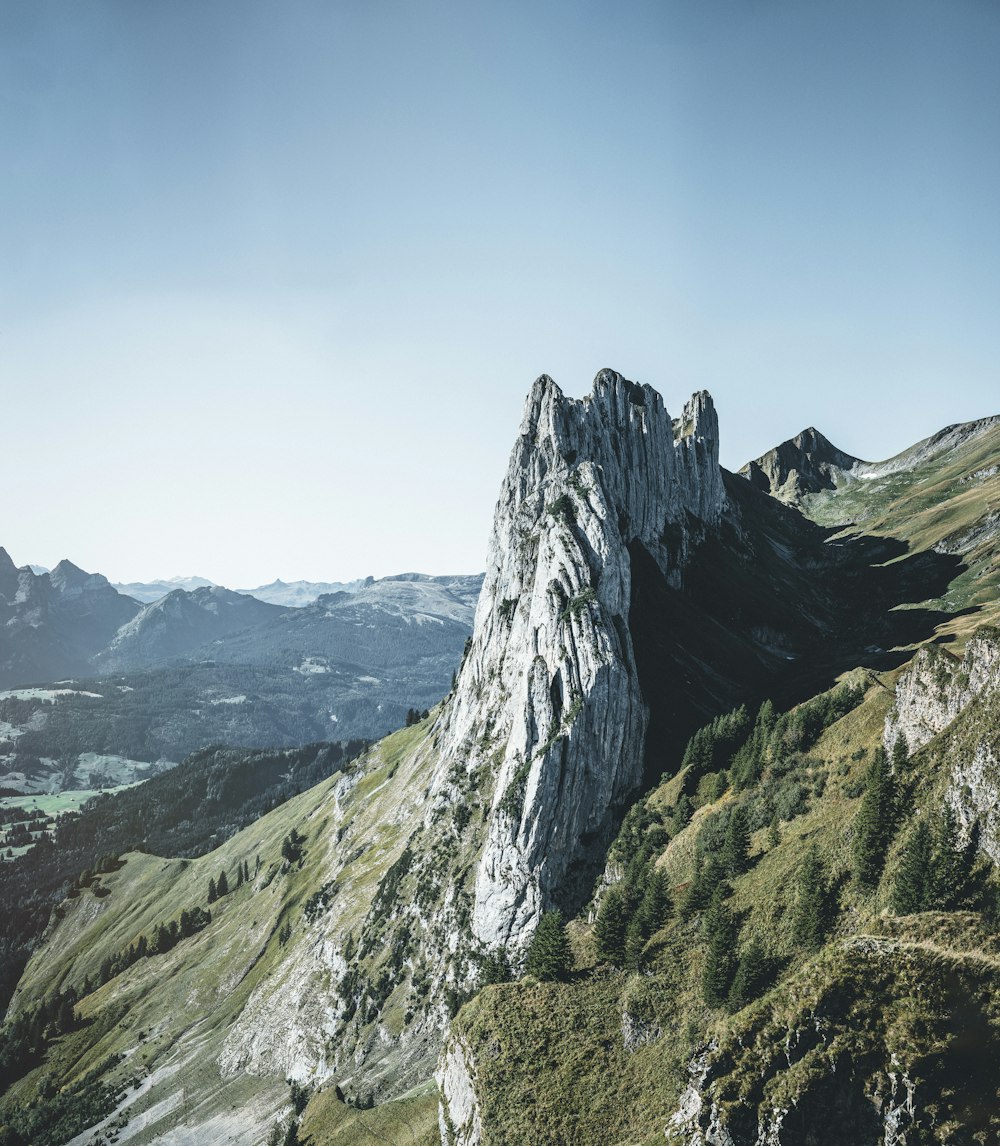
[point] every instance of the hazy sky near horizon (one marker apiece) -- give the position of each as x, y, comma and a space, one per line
275, 279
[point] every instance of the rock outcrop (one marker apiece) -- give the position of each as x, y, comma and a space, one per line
837, 1057
940, 694
458, 1116
807, 463
938, 687
548, 700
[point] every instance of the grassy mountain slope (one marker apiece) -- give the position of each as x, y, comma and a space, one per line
169, 1019
609, 1055
185, 812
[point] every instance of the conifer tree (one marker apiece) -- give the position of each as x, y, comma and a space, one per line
549, 955
752, 970
66, 1019
161, 944
611, 925
736, 848
811, 913
721, 931
494, 967
950, 864
683, 812
635, 941
222, 887
766, 718
655, 907
213, 895
900, 755
708, 876
875, 823
912, 890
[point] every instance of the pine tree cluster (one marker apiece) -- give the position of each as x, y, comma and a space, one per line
935, 870
23, 1040
549, 955
876, 821
814, 909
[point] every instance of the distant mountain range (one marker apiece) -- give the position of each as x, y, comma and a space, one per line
138, 686
292, 594
180, 622
52, 624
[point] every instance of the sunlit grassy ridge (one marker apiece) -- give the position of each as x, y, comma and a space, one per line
169, 1015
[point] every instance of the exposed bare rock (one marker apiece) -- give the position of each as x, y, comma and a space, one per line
807, 463
938, 687
458, 1117
548, 699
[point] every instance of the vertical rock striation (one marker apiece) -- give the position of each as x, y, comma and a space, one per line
548, 702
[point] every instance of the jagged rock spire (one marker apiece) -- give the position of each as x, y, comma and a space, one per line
548, 701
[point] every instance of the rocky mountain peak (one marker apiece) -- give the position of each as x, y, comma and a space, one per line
805, 464
548, 701
67, 576
8, 575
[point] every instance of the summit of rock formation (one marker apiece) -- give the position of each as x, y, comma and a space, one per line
549, 696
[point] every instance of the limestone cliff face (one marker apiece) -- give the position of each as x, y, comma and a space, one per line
548, 702
938, 687
961, 699
458, 1111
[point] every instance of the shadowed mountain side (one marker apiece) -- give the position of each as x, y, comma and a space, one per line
771, 607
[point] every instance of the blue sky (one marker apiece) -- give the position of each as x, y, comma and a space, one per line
277, 277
